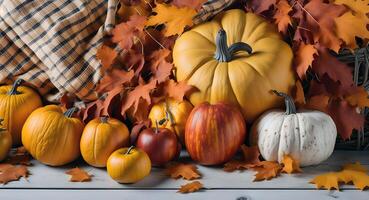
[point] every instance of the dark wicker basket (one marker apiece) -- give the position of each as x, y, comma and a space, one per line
359, 60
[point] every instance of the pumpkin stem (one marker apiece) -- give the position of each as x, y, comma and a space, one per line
70, 111
290, 104
16, 84
104, 119
129, 150
223, 53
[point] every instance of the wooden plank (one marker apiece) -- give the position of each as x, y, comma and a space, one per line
15, 194
213, 177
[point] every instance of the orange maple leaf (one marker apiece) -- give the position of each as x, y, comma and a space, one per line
78, 175
177, 90
126, 33
290, 165
195, 4
358, 98
106, 55
267, 170
281, 16
304, 57
191, 187
186, 171
10, 172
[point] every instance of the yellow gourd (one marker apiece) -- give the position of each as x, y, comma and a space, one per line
236, 58
52, 137
176, 114
16, 104
100, 138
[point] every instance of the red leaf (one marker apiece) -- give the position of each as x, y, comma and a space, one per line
125, 33
259, 6
133, 60
195, 4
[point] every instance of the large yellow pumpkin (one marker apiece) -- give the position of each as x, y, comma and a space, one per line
16, 104
52, 137
176, 114
100, 138
237, 58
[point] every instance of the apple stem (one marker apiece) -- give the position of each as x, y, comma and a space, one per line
129, 150
104, 119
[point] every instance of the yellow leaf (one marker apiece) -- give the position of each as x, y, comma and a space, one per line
355, 167
326, 181
360, 179
175, 19
290, 165
354, 22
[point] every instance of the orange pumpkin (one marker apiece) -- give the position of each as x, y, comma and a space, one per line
214, 133
100, 138
52, 137
5, 142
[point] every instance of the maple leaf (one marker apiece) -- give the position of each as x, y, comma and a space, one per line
358, 98
113, 79
191, 187
298, 94
78, 175
10, 172
195, 4
290, 165
260, 6
133, 60
234, 165
326, 181
318, 102
360, 179
326, 63
177, 90
106, 55
267, 170
19, 157
321, 18
140, 7
186, 171
304, 57
281, 16
163, 72
355, 167
175, 23
142, 91
157, 57
345, 117
159, 65
354, 22
126, 33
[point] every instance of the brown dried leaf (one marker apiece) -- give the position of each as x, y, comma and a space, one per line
267, 170
78, 175
106, 55
186, 171
19, 157
195, 4
191, 187
281, 16
10, 173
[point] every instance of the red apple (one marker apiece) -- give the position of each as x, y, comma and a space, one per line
161, 144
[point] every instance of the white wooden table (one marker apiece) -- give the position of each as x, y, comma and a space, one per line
52, 183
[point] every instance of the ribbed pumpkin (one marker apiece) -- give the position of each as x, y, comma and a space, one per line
52, 137
16, 104
214, 133
100, 138
237, 58
176, 114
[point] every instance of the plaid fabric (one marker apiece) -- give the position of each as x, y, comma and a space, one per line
52, 44
211, 8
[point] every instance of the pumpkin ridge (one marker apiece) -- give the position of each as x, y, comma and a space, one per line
230, 83
203, 36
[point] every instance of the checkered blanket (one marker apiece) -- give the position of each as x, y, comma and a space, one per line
52, 44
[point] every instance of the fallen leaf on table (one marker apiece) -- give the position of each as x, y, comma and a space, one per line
304, 58
191, 187
267, 170
175, 19
250, 159
354, 22
290, 165
281, 16
355, 174
186, 171
19, 157
78, 175
10, 172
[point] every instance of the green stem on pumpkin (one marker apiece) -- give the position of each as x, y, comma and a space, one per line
129, 150
104, 119
16, 84
224, 53
290, 104
70, 111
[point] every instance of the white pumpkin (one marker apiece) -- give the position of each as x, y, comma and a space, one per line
308, 135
